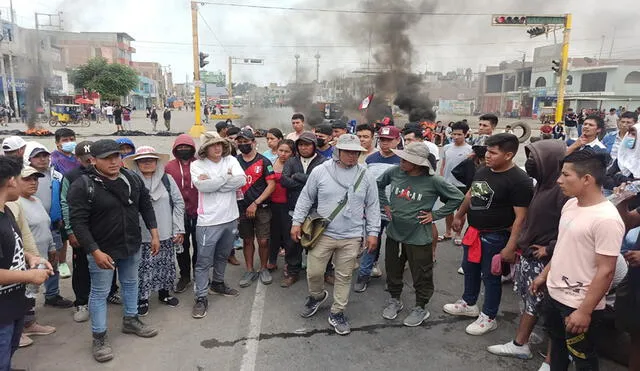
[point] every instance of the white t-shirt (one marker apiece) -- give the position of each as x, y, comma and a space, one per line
433, 149
453, 155
611, 121
108, 111
583, 233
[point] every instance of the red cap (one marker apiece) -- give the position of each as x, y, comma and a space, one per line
390, 132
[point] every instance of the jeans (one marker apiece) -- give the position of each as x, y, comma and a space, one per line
9, 341
101, 280
369, 259
580, 346
280, 227
345, 254
475, 273
214, 246
81, 280
52, 284
185, 261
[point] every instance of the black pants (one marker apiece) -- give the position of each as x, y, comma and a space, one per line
185, 261
280, 231
80, 279
580, 346
420, 260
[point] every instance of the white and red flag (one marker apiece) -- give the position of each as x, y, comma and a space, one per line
365, 102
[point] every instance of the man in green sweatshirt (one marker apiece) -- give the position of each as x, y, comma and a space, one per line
414, 190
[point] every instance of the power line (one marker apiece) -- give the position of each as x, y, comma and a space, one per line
212, 32
346, 11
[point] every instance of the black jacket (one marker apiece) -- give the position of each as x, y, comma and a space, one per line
102, 220
294, 177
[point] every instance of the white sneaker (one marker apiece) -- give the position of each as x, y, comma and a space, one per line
482, 325
375, 272
544, 367
460, 308
460, 271
511, 350
81, 314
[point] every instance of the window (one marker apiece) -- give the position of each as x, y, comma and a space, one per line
494, 84
569, 80
541, 82
633, 78
595, 81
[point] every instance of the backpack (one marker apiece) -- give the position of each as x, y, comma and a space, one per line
91, 187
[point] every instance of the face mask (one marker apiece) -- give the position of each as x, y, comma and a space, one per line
321, 142
185, 154
69, 147
245, 148
629, 142
531, 168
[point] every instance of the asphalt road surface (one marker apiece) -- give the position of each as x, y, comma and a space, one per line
262, 330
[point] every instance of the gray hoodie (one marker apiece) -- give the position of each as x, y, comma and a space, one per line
328, 184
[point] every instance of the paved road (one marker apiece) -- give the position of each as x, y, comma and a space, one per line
262, 330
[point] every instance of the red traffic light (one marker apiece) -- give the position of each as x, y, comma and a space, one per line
500, 20
509, 20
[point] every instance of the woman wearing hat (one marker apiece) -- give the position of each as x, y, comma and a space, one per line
414, 191
158, 272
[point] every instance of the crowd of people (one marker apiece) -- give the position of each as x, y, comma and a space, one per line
329, 202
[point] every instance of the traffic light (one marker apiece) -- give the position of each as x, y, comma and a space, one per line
536, 31
203, 59
509, 20
556, 67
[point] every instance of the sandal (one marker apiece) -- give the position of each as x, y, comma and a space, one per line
444, 237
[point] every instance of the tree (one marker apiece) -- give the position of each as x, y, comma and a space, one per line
111, 80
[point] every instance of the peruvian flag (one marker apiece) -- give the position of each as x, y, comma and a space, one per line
365, 102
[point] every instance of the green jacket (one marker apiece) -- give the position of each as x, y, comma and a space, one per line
409, 196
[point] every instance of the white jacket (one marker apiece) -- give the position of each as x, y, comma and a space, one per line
217, 202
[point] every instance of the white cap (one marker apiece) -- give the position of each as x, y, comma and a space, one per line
13, 143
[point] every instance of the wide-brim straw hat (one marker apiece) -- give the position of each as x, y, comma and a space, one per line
417, 154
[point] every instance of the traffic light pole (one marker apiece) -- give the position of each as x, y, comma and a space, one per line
563, 70
197, 129
230, 86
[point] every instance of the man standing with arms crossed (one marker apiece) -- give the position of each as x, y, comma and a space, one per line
496, 205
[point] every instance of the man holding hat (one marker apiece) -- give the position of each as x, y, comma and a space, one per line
13, 146
414, 191
105, 208
338, 180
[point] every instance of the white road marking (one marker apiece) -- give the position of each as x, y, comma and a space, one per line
255, 325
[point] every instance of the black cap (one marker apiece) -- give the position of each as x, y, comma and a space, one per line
324, 129
247, 134
84, 148
104, 148
339, 124
233, 130
222, 124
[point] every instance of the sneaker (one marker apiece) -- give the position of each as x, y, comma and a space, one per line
143, 307
482, 325
394, 306
25, 341
265, 277
182, 284
58, 302
544, 367
339, 323
311, 306
220, 288
238, 244
460, 308
361, 284
170, 301
461, 271
63, 269
200, 307
511, 350
114, 299
288, 281
36, 329
376, 272
416, 317
81, 314
248, 278
101, 348
133, 325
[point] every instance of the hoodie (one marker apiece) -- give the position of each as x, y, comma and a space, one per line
128, 141
543, 215
180, 171
49, 187
294, 176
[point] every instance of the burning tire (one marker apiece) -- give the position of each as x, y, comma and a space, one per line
522, 130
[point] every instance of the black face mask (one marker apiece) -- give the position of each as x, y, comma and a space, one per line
245, 148
185, 154
321, 142
531, 168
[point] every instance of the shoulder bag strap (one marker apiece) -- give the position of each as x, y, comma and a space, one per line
343, 202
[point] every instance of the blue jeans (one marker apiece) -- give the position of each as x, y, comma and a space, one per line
101, 286
474, 273
9, 341
52, 284
368, 259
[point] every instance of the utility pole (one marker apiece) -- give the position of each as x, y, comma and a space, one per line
613, 39
297, 56
5, 91
317, 56
13, 85
524, 57
197, 129
230, 89
565, 65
